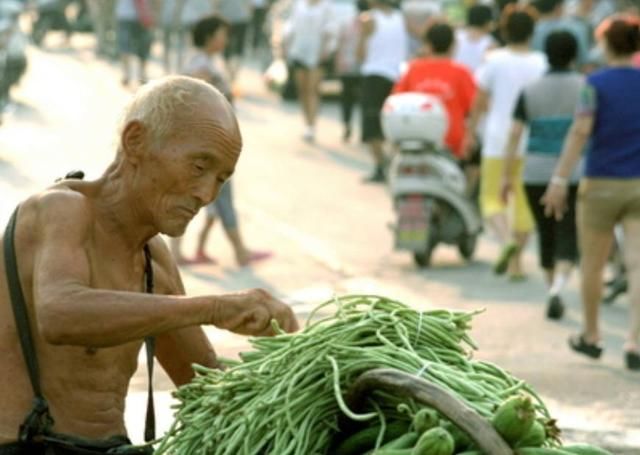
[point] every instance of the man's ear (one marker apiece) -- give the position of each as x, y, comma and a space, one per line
135, 141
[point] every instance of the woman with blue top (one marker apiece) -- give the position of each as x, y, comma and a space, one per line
609, 117
547, 107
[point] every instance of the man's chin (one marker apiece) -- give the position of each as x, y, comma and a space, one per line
176, 230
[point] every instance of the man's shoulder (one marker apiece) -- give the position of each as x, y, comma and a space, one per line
60, 203
168, 277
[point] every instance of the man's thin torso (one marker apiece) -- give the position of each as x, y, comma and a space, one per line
85, 387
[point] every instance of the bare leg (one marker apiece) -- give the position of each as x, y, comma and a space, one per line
595, 246
499, 224
313, 94
632, 261
241, 251
204, 235
515, 264
126, 69
301, 77
143, 71
548, 277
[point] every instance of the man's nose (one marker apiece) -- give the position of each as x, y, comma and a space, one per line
206, 193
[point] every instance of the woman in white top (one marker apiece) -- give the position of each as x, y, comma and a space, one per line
207, 63
310, 39
475, 40
382, 48
500, 80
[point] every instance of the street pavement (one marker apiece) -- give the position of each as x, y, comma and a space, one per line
329, 235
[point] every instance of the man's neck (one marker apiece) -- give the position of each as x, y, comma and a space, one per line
120, 212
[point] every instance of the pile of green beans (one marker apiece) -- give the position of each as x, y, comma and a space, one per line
285, 396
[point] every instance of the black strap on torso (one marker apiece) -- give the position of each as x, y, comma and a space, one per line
150, 344
39, 421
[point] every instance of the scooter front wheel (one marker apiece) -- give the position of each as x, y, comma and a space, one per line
467, 246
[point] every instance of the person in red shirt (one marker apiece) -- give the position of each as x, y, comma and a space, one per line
438, 74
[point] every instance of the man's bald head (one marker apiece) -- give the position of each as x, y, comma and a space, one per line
168, 106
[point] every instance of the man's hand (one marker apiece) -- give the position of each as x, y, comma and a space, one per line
555, 201
251, 312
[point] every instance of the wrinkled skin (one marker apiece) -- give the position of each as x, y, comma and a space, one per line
81, 264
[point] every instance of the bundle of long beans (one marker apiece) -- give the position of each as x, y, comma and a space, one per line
285, 396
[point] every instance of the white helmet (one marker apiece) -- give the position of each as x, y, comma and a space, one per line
415, 117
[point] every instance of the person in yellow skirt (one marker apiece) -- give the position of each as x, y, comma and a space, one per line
500, 79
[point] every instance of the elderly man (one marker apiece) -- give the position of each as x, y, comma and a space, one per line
85, 255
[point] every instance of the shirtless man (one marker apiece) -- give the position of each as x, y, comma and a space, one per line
81, 265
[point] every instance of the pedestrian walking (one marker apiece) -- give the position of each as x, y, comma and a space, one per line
546, 107
103, 19
500, 80
310, 38
438, 74
134, 36
551, 16
238, 14
207, 63
178, 17
348, 68
474, 40
259, 11
51, 16
609, 193
382, 48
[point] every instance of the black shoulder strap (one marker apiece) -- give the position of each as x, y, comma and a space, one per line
19, 307
150, 344
38, 421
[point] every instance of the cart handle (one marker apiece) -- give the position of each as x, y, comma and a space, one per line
407, 385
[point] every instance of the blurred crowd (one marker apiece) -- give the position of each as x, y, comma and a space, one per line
528, 87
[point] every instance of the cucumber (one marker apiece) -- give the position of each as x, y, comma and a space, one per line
364, 440
425, 419
392, 452
406, 441
461, 440
540, 451
514, 418
535, 437
436, 441
585, 449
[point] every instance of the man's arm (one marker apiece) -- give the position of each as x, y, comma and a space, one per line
69, 311
367, 27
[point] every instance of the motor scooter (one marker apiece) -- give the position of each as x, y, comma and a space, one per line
427, 184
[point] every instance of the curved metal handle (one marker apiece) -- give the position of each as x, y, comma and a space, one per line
404, 384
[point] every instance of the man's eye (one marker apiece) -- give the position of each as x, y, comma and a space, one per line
199, 169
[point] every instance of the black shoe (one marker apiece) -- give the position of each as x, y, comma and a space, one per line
502, 264
578, 344
555, 307
377, 176
633, 360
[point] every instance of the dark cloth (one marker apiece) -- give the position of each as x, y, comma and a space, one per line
375, 90
134, 39
237, 38
121, 445
258, 37
349, 97
557, 239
